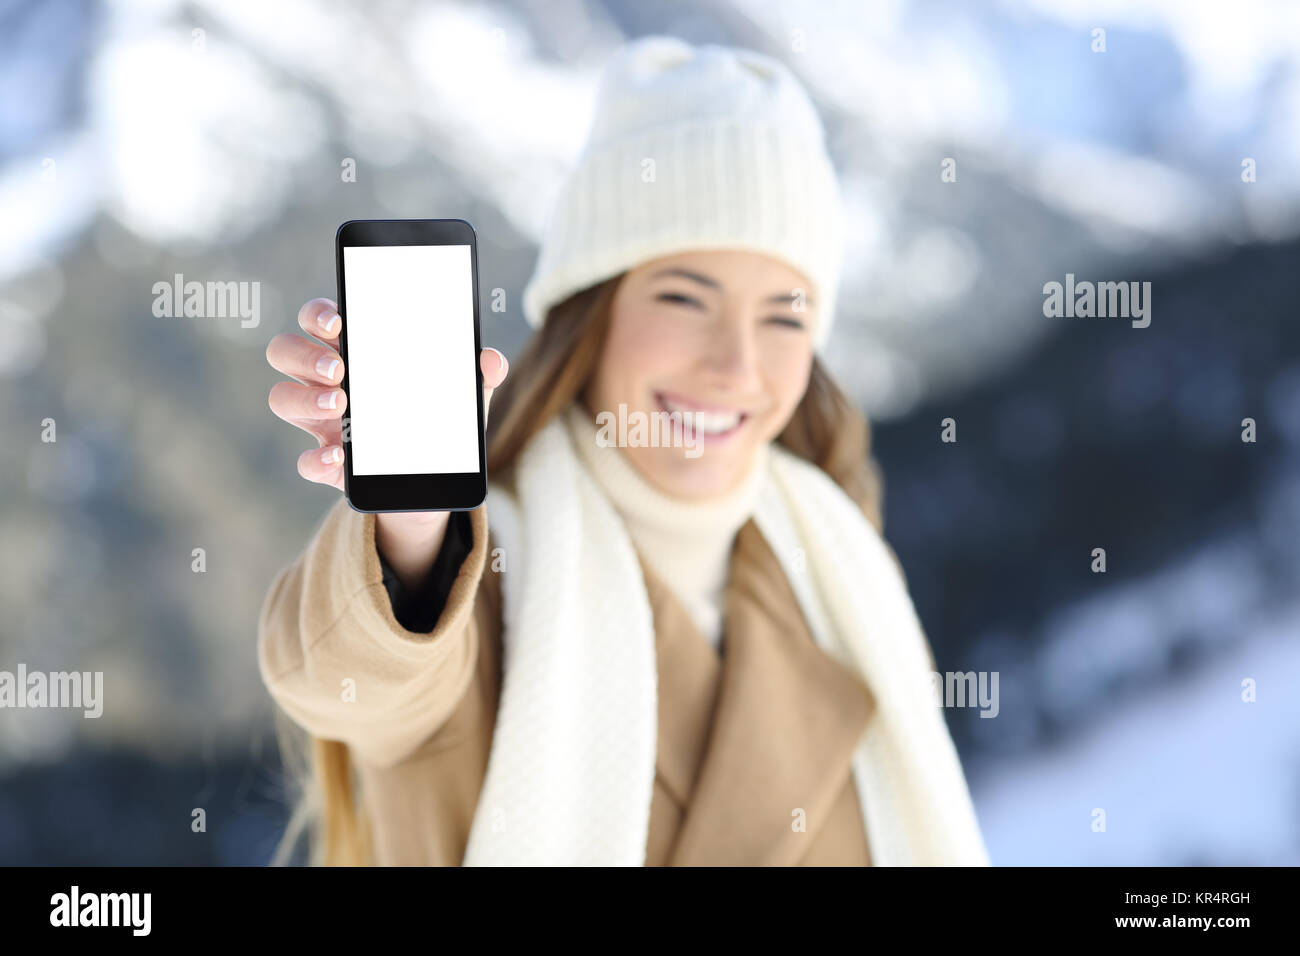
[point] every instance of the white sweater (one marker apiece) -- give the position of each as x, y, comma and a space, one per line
687, 543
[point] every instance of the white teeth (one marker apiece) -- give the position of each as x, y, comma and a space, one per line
710, 423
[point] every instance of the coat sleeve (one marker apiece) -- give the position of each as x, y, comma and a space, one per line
336, 660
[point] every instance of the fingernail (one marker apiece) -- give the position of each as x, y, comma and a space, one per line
328, 399
501, 359
325, 366
330, 455
327, 320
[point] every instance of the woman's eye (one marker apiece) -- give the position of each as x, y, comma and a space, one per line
791, 323
678, 298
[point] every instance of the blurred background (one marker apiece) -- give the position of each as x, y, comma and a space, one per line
141, 140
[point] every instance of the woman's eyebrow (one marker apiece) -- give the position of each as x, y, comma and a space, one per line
685, 274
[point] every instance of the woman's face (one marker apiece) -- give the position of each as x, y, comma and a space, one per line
721, 332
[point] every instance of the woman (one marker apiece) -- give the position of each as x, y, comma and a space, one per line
698, 652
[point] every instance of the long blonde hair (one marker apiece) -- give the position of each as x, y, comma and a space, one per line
558, 362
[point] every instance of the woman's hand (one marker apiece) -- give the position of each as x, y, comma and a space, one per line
313, 402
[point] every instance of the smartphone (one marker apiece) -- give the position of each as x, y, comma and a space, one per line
413, 429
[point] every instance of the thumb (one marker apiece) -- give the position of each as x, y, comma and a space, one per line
494, 366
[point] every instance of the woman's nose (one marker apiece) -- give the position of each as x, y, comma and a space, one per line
731, 348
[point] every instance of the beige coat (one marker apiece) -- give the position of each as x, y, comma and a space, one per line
754, 747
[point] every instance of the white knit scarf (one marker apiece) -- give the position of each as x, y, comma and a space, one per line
572, 766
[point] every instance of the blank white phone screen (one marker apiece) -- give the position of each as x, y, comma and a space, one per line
412, 380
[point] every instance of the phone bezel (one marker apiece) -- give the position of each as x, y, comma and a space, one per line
453, 491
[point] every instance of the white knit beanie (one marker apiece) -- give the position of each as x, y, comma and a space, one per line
694, 148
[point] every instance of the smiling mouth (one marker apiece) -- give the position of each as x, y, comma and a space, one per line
708, 422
